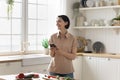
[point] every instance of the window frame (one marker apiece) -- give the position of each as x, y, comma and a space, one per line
24, 32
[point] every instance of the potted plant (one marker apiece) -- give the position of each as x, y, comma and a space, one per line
116, 21
10, 7
45, 44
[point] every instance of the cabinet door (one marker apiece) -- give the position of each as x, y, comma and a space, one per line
10, 68
95, 68
108, 69
77, 63
90, 68
42, 68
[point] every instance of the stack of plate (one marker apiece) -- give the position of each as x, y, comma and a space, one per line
98, 47
87, 3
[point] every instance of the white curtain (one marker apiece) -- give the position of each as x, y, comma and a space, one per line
62, 4
59, 5
55, 8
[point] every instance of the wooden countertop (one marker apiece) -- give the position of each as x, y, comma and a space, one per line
104, 55
16, 58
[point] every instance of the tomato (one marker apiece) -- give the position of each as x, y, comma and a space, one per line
51, 76
36, 76
21, 75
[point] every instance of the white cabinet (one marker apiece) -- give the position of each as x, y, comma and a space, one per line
38, 64
95, 68
25, 64
10, 68
90, 68
7, 68
77, 63
108, 69
41, 68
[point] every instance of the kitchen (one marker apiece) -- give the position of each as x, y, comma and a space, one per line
108, 36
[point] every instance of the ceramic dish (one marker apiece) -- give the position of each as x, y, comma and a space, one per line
83, 3
89, 3
98, 47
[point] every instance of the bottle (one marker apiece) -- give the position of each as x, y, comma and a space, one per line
102, 3
80, 19
86, 48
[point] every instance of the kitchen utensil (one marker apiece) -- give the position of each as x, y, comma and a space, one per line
98, 47
89, 44
83, 3
90, 3
81, 44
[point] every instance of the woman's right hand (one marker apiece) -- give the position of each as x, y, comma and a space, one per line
52, 51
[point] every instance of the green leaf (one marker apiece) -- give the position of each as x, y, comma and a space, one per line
45, 43
10, 7
68, 78
116, 18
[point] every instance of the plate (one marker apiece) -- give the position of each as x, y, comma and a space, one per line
98, 47
89, 3
83, 3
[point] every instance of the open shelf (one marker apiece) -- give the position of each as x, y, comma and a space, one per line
116, 28
97, 27
103, 7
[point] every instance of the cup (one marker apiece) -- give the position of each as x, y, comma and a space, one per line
85, 23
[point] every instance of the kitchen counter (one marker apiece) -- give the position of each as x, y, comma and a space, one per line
105, 55
15, 58
30, 56
13, 76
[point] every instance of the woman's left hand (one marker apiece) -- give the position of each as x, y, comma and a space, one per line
58, 51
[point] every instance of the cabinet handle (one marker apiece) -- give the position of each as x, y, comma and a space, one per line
44, 70
89, 58
108, 59
8, 64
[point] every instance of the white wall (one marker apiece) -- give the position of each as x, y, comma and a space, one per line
109, 37
71, 14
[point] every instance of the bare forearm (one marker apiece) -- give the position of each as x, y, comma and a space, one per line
70, 56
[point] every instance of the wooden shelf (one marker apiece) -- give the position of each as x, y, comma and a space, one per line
116, 8
104, 7
104, 55
116, 28
97, 27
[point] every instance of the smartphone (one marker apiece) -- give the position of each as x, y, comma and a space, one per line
52, 45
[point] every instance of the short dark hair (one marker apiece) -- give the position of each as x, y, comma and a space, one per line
65, 19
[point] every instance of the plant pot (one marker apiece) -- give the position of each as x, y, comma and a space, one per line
116, 22
46, 51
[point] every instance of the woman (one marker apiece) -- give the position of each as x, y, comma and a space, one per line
63, 49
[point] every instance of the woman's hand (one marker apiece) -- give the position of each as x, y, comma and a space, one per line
70, 56
52, 51
58, 51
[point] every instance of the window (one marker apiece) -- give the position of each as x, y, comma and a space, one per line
37, 23
10, 30
30, 22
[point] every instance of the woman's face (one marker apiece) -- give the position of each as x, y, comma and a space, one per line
60, 23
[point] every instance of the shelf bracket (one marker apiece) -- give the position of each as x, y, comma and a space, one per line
117, 30
117, 10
